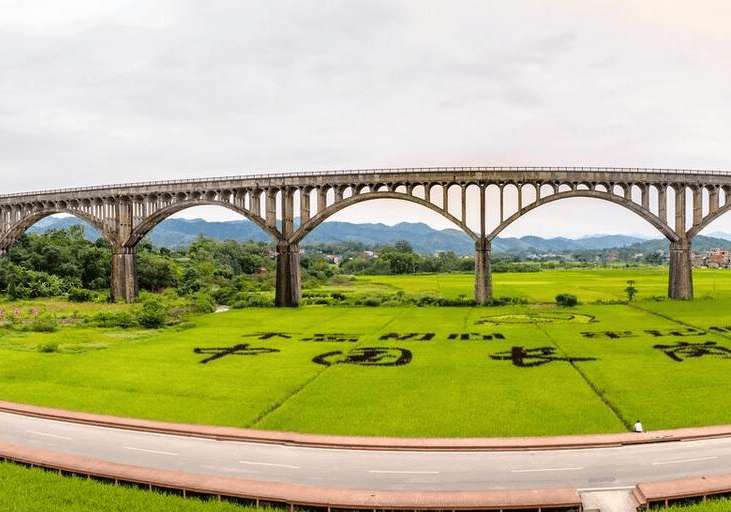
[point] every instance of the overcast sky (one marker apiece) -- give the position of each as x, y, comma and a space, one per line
122, 91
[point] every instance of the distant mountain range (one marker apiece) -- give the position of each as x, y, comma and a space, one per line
178, 233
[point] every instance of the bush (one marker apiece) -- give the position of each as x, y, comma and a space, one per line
252, 300
122, 319
81, 295
153, 314
47, 348
566, 299
203, 303
44, 323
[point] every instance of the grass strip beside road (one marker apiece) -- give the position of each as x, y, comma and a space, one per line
34, 490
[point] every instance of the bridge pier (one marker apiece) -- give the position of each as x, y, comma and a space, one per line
288, 290
124, 273
680, 281
483, 276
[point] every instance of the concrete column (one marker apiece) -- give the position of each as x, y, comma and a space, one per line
645, 192
288, 292
304, 205
680, 210
271, 206
502, 203
697, 206
255, 202
124, 273
287, 212
124, 264
483, 277
483, 220
321, 199
713, 200
680, 281
662, 203
445, 197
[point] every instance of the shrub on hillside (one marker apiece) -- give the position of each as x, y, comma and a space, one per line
566, 299
153, 314
81, 295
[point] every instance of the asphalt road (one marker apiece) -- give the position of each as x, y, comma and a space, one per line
584, 469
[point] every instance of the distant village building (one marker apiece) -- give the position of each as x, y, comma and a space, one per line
332, 258
715, 258
367, 254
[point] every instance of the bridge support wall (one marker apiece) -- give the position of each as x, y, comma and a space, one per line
124, 274
483, 276
288, 292
680, 281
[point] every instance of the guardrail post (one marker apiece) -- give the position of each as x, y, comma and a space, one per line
483, 276
288, 291
680, 281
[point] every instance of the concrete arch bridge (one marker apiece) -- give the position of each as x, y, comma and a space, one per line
482, 201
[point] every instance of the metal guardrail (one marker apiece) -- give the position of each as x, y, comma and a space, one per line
370, 171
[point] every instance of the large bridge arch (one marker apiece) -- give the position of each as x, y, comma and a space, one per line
8, 239
140, 231
336, 207
630, 205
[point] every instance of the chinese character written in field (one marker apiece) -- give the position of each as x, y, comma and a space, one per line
367, 356
689, 331
612, 335
413, 336
242, 349
338, 337
268, 335
469, 336
529, 357
686, 350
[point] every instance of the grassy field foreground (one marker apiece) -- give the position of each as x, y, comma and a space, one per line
533, 369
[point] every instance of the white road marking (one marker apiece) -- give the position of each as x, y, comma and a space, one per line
252, 463
682, 461
157, 452
543, 469
46, 434
396, 472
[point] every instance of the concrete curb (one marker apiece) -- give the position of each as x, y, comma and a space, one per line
290, 495
665, 493
371, 443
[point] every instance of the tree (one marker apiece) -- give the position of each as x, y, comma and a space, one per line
631, 291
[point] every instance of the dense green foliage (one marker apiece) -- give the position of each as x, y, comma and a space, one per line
237, 274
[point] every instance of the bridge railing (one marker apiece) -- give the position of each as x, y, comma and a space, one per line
305, 174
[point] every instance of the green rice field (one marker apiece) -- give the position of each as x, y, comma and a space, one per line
518, 370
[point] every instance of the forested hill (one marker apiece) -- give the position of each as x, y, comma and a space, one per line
178, 233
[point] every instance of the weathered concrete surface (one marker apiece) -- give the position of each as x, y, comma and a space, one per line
124, 274
609, 501
483, 276
680, 282
288, 288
